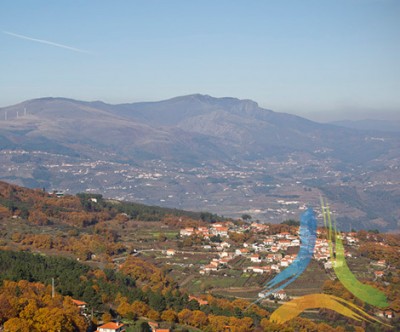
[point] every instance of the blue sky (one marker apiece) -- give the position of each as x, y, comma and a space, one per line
322, 59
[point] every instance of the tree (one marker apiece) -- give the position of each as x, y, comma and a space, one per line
193, 305
169, 316
124, 309
185, 316
29, 307
140, 308
162, 237
237, 237
291, 222
218, 323
4, 212
246, 217
241, 325
157, 301
17, 325
37, 217
106, 317
216, 238
153, 315
198, 319
241, 304
269, 326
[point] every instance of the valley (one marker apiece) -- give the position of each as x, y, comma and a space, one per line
201, 153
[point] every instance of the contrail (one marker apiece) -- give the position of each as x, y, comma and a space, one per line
45, 42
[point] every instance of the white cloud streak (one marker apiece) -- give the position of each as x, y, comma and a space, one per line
42, 41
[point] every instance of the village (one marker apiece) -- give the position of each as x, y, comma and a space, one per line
263, 253
208, 262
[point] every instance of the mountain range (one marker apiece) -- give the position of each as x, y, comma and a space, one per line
232, 154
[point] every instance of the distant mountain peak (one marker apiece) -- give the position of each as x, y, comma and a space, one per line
204, 98
51, 99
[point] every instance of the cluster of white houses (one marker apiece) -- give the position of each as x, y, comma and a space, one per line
207, 232
270, 254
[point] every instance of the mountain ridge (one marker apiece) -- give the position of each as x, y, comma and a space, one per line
206, 150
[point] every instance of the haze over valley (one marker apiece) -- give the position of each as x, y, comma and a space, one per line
197, 152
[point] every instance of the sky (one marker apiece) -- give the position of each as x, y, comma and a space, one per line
323, 59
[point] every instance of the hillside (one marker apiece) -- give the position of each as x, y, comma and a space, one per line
125, 265
197, 152
194, 125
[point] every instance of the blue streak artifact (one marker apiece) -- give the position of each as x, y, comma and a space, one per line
308, 227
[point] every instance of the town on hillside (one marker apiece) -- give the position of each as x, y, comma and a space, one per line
132, 266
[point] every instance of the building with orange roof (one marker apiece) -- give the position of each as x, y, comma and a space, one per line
388, 314
111, 327
188, 231
220, 230
199, 300
80, 304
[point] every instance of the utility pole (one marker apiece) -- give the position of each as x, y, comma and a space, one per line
52, 288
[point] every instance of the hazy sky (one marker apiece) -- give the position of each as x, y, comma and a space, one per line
301, 56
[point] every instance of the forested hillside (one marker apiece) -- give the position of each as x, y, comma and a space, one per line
113, 256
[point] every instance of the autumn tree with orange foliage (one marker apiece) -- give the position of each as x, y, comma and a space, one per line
218, 323
238, 237
185, 316
37, 217
147, 273
4, 212
28, 306
140, 308
124, 308
169, 315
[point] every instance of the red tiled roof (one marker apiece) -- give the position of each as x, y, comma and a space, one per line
200, 301
78, 303
111, 325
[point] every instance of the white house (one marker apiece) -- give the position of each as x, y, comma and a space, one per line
269, 241
295, 242
280, 295
284, 263
255, 258
188, 231
220, 230
275, 268
240, 252
258, 269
